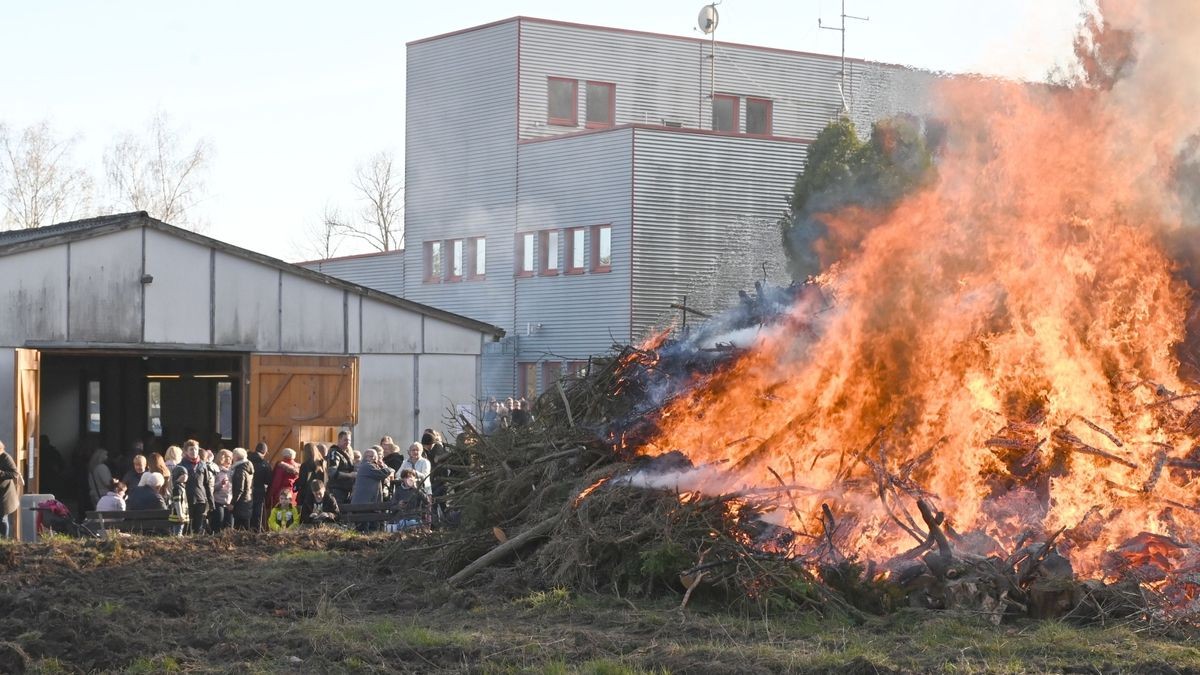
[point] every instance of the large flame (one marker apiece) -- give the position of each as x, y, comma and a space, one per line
1004, 341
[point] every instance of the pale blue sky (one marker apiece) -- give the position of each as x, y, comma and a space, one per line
293, 94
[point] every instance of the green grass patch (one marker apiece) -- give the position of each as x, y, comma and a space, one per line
150, 665
555, 598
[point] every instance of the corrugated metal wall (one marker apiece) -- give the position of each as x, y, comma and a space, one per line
693, 196
381, 271
581, 181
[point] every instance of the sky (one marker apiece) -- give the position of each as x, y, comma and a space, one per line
292, 96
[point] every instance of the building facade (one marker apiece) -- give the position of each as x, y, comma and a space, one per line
571, 183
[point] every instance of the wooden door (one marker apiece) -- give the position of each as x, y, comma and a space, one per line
299, 399
27, 416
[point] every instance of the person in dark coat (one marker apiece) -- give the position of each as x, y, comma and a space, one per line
312, 467
262, 484
199, 486
10, 485
147, 495
242, 480
339, 468
319, 507
412, 503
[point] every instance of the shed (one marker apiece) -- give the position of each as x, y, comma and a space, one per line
124, 328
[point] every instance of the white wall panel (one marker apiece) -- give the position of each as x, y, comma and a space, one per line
446, 381
247, 303
387, 329
313, 317
106, 289
177, 301
385, 385
33, 295
447, 338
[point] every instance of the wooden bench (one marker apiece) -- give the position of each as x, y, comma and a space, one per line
375, 513
148, 521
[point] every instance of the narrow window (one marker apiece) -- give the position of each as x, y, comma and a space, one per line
476, 257
527, 380
601, 104
725, 113
601, 248
154, 408
551, 372
525, 257
225, 410
562, 102
434, 266
456, 260
549, 248
758, 116
93, 406
577, 368
576, 250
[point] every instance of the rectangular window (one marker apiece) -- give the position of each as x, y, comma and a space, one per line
527, 380
456, 260
434, 265
225, 410
601, 248
548, 240
576, 250
551, 372
601, 105
725, 113
154, 408
525, 254
562, 101
93, 406
476, 257
577, 368
758, 116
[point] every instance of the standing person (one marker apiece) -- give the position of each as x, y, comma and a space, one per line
199, 486
392, 456
173, 457
520, 414
222, 513
179, 515
114, 499
312, 467
284, 476
370, 484
285, 515
11, 482
262, 485
339, 468
420, 466
99, 475
146, 495
241, 479
134, 475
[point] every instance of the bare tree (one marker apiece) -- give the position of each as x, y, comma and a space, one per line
155, 173
39, 183
380, 221
321, 238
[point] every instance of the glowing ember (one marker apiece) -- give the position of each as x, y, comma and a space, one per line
1005, 341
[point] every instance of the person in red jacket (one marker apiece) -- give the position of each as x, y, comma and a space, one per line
284, 477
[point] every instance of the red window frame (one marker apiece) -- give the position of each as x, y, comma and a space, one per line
448, 255
570, 249
596, 266
770, 116
429, 276
551, 372
573, 120
526, 369
543, 264
612, 105
522, 239
472, 258
576, 368
737, 112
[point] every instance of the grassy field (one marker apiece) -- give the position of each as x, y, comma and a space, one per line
336, 602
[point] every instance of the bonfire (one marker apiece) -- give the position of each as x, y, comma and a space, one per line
988, 401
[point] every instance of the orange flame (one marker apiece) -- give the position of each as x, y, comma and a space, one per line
1025, 291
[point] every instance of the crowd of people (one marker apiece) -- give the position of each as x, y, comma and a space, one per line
206, 491
511, 413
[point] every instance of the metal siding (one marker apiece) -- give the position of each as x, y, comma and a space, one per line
385, 399
387, 331
383, 272
703, 203
447, 381
33, 293
663, 78
313, 317
178, 300
460, 164
106, 289
575, 182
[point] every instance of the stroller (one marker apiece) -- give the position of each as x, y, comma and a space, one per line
54, 517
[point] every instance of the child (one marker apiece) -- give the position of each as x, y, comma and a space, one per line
284, 516
179, 505
319, 507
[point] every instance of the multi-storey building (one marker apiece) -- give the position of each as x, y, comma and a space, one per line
570, 183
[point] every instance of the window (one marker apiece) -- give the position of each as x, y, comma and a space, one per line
758, 116
548, 240
576, 250
525, 255
434, 265
154, 408
93, 406
601, 248
476, 257
456, 260
725, 113
601, 104
225, 410
527, 380
551, 372
562, 102
577, 368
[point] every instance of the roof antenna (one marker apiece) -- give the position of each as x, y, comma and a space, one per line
842, 30
707, 23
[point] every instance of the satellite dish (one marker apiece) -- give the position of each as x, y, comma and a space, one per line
707, 20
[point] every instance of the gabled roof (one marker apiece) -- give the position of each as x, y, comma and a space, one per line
17, 241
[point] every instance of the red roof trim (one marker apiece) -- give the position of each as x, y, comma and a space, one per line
356, 256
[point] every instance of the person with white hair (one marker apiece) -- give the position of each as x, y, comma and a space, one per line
147, 495
373, 474
287, 470
419, 465
242, 480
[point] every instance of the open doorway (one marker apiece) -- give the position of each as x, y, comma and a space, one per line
128, 404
